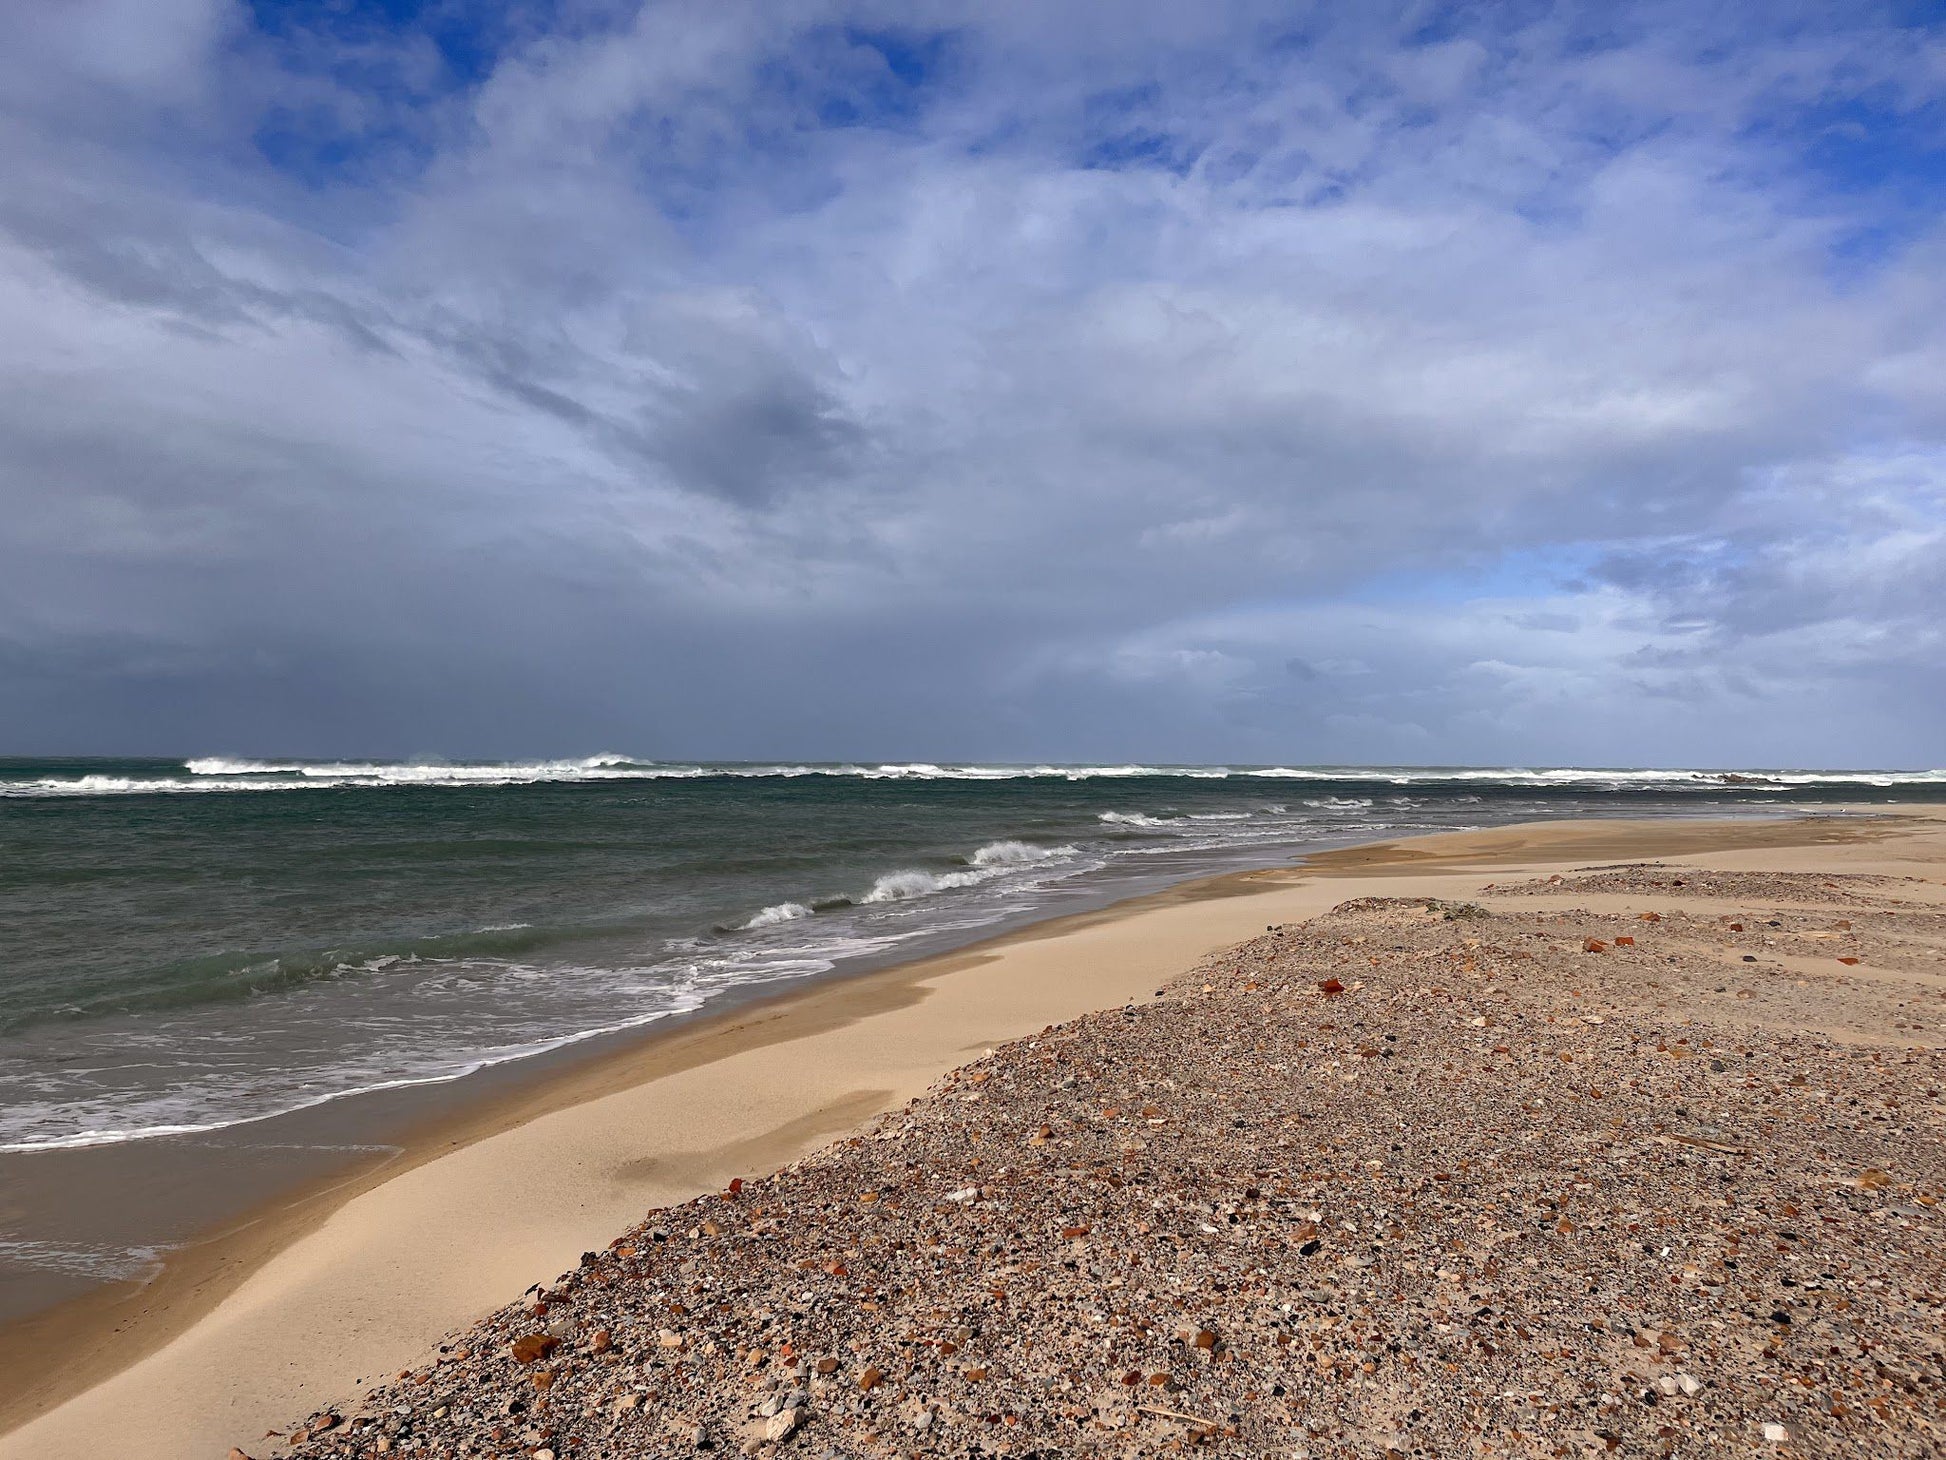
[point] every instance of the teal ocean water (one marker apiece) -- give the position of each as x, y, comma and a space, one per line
186, 946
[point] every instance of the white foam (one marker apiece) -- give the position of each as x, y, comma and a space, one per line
904, 886
1130, 818
1715, 781
781, 912
995, 859
101, 1262
1017, 854
680, 1002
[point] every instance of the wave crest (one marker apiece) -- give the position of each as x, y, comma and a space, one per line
780, 912
993, 860
904, 886
1017, 854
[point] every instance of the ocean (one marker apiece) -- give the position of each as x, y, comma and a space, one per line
191, 946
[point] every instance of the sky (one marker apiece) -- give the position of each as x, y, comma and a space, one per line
1502, 383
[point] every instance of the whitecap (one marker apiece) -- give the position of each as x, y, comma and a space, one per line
1017, 854
904, 886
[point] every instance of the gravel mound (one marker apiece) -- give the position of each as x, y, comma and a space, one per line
1412, 1179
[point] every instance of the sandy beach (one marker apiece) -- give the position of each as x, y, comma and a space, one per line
310, 1304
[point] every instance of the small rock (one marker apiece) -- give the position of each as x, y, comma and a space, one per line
1775, 1433
1689, 1386
534, 1347
782, 1424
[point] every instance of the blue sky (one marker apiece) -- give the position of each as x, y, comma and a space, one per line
1518, 382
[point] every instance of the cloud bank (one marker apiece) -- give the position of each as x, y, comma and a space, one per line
1477, 384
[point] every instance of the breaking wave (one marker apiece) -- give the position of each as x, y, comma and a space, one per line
226, 774
782, 912
990, 861
903, 886
1016, 854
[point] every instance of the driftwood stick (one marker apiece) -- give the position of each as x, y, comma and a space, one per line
1194, 1419
1702, 1145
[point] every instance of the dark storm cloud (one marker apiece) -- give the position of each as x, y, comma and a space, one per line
1553, 383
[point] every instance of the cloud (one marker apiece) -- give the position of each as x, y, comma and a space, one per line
975, 381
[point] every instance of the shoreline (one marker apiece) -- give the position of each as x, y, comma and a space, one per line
117, 1323
274, 1275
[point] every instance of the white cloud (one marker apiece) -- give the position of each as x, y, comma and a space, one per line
650, 391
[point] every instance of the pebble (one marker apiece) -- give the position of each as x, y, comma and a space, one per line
782, 1425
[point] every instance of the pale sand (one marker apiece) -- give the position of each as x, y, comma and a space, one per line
333, 1296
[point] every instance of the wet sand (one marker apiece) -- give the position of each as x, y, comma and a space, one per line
241, 1333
